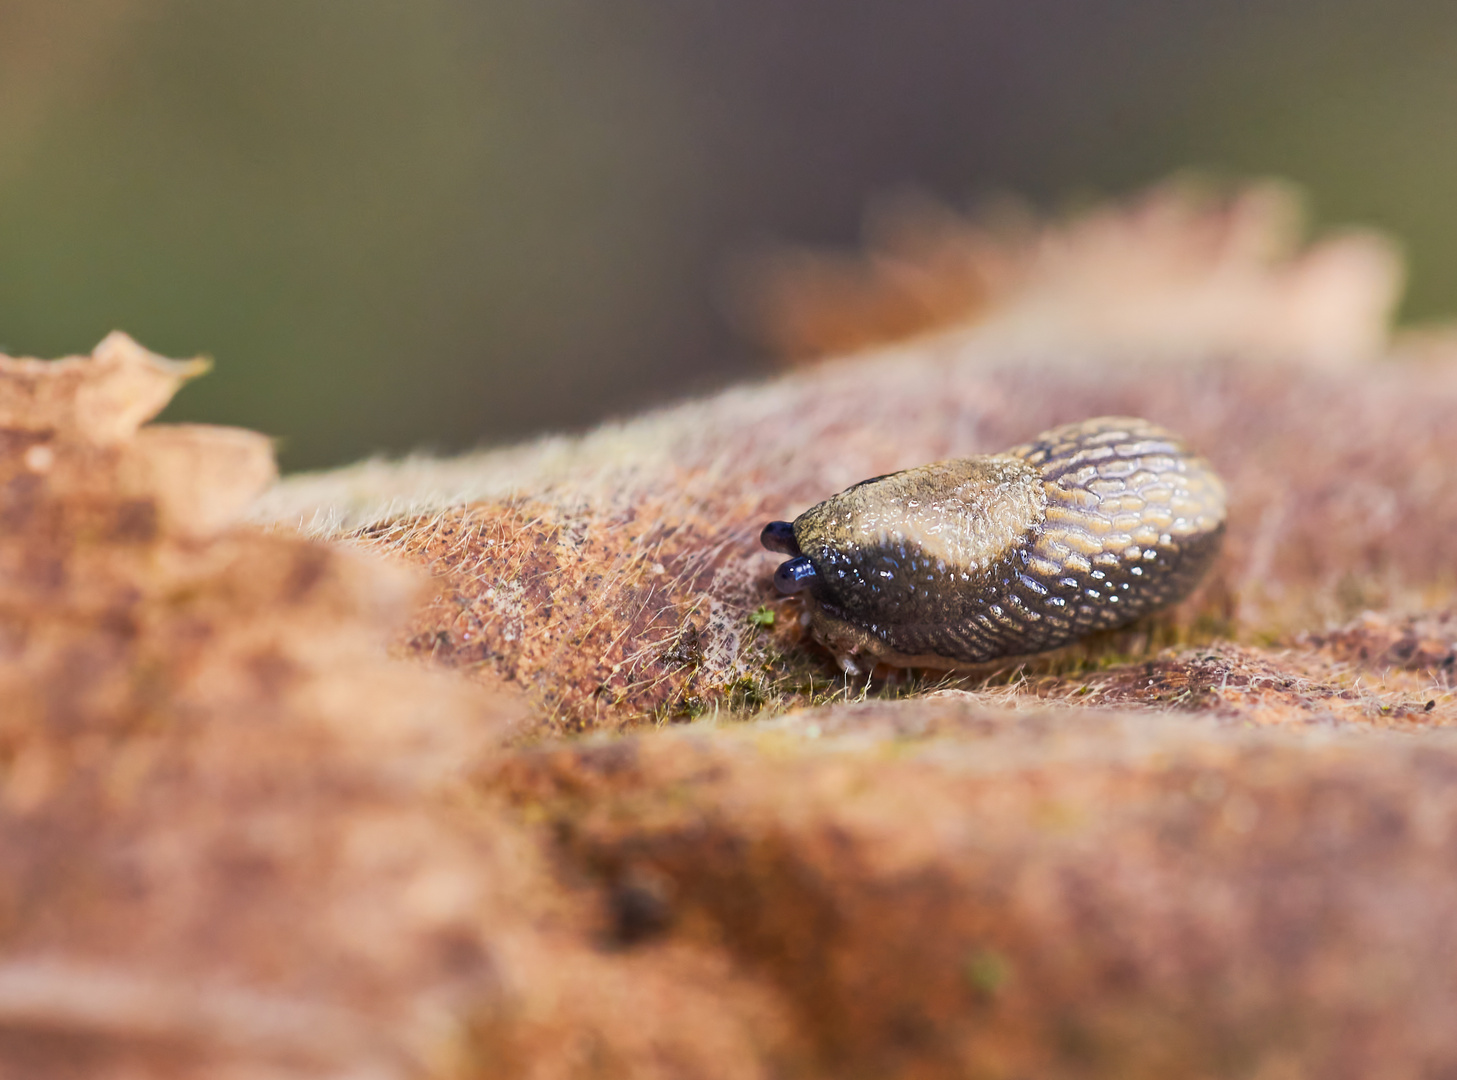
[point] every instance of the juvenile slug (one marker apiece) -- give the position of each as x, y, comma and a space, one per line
1087, 527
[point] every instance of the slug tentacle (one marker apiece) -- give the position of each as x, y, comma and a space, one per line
1087, 527
779, 536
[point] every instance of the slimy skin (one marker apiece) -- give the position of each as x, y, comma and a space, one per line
1088, 527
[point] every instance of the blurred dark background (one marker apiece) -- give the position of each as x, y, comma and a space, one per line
441, 223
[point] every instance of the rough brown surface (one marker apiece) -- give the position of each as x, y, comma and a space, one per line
1044, 893
614, 577
236, 840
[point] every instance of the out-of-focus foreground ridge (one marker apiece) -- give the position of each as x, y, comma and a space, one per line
238, 840
235, 840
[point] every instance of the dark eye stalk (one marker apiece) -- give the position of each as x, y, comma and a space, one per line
779, 536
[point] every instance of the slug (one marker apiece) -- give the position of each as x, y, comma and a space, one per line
1087, 527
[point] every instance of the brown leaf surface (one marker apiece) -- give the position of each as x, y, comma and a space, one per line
236, 840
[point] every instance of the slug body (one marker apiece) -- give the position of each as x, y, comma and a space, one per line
1088, 527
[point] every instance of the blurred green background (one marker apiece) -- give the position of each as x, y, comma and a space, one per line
441, 223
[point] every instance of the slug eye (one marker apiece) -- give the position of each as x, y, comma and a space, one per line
779, 536
795, 576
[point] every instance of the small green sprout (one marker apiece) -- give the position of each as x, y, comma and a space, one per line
762, 617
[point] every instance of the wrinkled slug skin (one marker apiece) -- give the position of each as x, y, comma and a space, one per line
1089, 526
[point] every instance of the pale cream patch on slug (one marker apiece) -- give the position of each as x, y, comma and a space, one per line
965, 514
